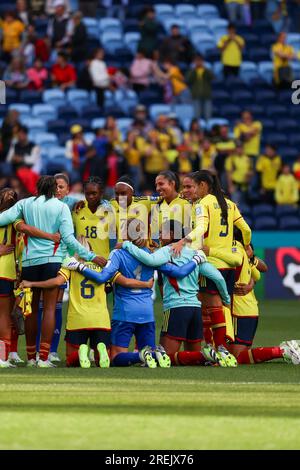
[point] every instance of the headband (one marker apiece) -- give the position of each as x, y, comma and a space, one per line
126, 184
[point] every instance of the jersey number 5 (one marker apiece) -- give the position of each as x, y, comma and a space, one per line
87, 290
224, 232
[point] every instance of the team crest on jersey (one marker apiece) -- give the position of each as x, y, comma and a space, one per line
198, 211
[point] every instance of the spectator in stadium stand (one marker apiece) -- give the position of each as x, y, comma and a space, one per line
296, 170
100, 143
99, 75
12, 29
84, 80
133, 156
235, 10
249, 133
184, 162
57, 30
76, 147
115, 166
258, 9
28, 47
180, 93
140, 122
24, 152
225, 145
15, 74
175, 128
238, 168
286, 189
149, 29
9, 131
199, 79
231, 46
22, 12
51, 6
92, 164
88, 7
141, 72
277, 14
63, 74
207, 155
166, 137
193, 138
176, 47
268, 167
37, 76
36, 8
283, 53
154, 157
112, 132
78, 38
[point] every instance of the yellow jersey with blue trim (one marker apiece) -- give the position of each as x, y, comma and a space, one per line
139, 209
245, 305
92, 229
8, 262
87, 302
213, 231
179, 209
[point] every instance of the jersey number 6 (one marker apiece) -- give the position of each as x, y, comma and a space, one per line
87, 290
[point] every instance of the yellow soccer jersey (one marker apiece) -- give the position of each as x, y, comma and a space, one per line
8, 262
212, 231
196, 211
87, 302
94, 227
179, 209
138, 209
245, 305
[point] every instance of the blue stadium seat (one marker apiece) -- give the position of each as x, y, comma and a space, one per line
230, 111
208, 11
264, 97
276, 138
11, 95
22, 108
258, 54
202, 41
245, 210
251, 40
112, 41
110, 25
55, 152
126, 100
268, 125
284, 210
265, 222
185, 11
257, 110
248, 71
91, 111
197, 24
55, 97
78, 98
184, 112
287, 125
217, 121
285, 96
67, 112
276, 110
30, 97
288, 154
130, 24
265, 70
243, 98
293, 39
131, 40
58, 165
221, 97
46, 112
162, 9
217, 23
157, 109
289, 222
89, 137
267, 40
46, 139
262, 209
34, 124
97, 123
58, 126
294, 140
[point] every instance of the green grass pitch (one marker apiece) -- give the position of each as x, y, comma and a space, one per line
251, 407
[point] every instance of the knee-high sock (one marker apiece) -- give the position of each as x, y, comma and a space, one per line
256, 355
40, 316
73, 359
187, 358
6, 343
218, 324
14, 340
44, 351
126, 359
57, 331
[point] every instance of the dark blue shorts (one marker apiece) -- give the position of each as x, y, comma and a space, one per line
41, 272
78, 337
244, 330
6, 288
183, 324
122, 332
209, 287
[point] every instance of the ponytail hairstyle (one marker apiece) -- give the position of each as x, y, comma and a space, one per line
8, 197
171, 176
214, 188
46, 186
